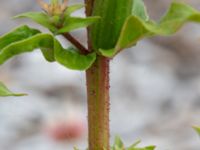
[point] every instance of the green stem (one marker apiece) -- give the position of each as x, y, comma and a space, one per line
98, 97
98, 104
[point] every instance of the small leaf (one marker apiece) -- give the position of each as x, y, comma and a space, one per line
21, 34
139, 10
18, 34
71, 58
73, 23
135, 28
27, 45
197, 129
48, 54
73, 8
118, 145
40, 18
4, 91
150, 148
144, 148
107, 52
51, 49
135, 144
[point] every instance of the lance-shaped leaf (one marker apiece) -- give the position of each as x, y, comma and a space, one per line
118, 145
4, 91
73, 8
51, 49
40, 18
144, 148
139, 10
26, 45
197, 129
136, 28
73, 23
71, 58
18, 34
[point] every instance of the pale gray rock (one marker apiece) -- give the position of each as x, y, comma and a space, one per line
154, 90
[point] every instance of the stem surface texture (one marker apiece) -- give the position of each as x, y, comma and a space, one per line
98, 104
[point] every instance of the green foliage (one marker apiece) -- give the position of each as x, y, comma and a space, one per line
116, 25
16, 35
113, 13
60, 24
139, 10
197, 129
73, 8
118, 145
73, 23
4, 91
122, 25
71, 59
18, 42
57, 18
136, 25
40, 18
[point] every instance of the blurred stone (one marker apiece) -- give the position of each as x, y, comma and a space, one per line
154, 90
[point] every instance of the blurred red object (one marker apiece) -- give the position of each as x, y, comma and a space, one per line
70, 130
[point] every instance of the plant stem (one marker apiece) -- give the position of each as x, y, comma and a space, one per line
76, 43
88, 11
97, 77
89, 7
98, 104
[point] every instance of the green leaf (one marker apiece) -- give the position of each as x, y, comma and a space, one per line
26, 45
134, 145
18, 34
136, 28
51, 49
197, 129
139, 10
71, 58
73, 23
118, 145
144, 148
4, 91
113, 13
40, 18
73, 8
48, 54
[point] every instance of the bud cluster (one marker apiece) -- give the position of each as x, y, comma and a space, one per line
55, 8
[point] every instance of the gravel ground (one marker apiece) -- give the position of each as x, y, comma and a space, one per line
155, 90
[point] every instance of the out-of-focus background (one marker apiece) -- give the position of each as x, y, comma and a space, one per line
155, 91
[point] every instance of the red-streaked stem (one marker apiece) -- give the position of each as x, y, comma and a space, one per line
88, 12
98, 104
76, 43
89, 7
97, 77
